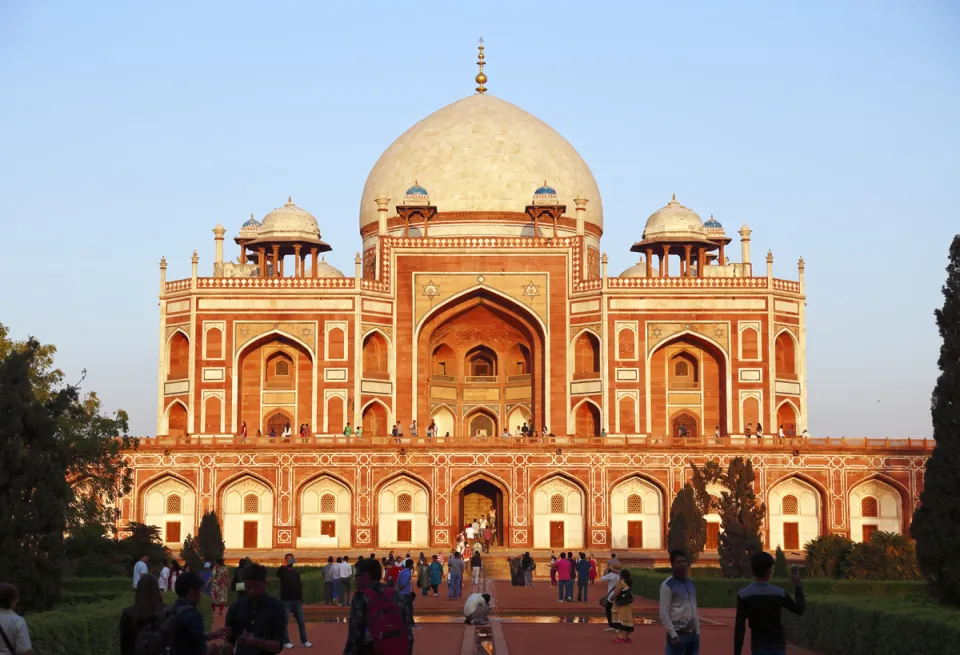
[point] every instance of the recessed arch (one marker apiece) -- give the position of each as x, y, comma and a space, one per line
444, 420
632, 529
891, 508
481, 420
376, 355
175, 418
586, 354
786, 349
324, 524
788, 416
376, 418
178, 355
174, 520
586, 417
242, 526
791, 531
396, 526
552, 529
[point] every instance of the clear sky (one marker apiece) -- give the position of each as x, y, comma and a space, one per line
129, 129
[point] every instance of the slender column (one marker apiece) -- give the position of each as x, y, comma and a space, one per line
649, 262
701, 260
426, 227
686, 260
660, 264
243, 253
665, 270
555, 230
313, 262
276, 261
297, 263
723, 260
218, 232
262, 260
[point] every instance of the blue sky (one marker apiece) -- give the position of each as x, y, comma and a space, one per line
128, 130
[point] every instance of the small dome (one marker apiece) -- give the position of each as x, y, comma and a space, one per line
545, 190
289, 222
251, 222
713, 223
639, 270
416, 195
326, 270
674, 222
416, 190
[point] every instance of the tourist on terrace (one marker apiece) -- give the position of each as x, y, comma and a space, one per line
780, 433
759, 430
358, 433
243, 431
477, 609
413, 428
348, 430
748, 432
678, 607
761, 603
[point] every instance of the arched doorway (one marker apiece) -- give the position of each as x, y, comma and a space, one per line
375, 421
786, 419
275, 374
684, 424
588, 420
687, 373
176, 419
481, 424
277, 422
443, 417
476, 500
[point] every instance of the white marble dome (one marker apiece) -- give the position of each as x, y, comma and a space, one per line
481, 154
289, 222
326, 270
674, 222
639, 270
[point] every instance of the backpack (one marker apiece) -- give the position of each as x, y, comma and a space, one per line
385, 623
156, 638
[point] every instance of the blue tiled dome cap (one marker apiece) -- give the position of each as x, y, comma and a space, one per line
416, 190
714, 223
251, 222
545, 190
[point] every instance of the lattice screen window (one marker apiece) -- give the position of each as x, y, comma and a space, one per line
558, 504
869, 506
251, 504
328, 504
682, 370
174, 504
634, 504
282, 367
791, 505
405, 503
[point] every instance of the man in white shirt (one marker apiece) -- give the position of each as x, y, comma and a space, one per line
346, 575
470, 533
13, 626
140, 568
164, 580
476, 609
678, 607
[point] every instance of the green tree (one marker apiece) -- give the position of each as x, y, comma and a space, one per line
688, 529
780, 565
827, 556
143, 540
741, 517
190, 555
936, 522
209, 538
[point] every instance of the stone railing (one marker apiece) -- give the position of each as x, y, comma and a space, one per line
701, 283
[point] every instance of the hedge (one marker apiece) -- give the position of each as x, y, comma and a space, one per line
837, 625
722, 592
91, 629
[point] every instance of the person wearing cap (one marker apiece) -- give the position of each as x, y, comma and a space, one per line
611, 577
257, 622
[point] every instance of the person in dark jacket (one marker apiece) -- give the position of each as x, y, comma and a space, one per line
237, 582
368, 575
291, 593
147, 609
761, 603
188, 635
257, 621
583, 577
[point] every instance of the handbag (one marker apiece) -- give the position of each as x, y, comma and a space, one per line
625, 597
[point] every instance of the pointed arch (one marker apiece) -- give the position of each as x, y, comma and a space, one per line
791, 531
786, 349
398, 525
788, 414
178, 355
571, 523
472, 422
175, 423
174, 520
586, 354
586, 416
375, 348
321, 523
246, 524
893, 507
376, 418
637, 530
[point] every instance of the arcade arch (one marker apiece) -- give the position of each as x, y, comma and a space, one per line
275, 375
875, 506
687, 380
403, 514
170, 505
636, 515
375, 419
794, 510
324, 514
178, 362
587, 419
247, 514
558, 514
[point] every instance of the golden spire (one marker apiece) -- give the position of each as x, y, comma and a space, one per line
481, 77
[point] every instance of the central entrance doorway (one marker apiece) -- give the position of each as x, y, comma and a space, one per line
476, 501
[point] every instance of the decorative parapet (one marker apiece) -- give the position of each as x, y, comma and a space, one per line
701, 283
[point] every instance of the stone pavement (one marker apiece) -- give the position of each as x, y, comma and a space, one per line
531, 622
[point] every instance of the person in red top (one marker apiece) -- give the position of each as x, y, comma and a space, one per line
393, 572
564, 566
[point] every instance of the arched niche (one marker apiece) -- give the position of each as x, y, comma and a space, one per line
794, 511
875, 506
587, 419
376, 356
403, 514
178, 358
557, 525
586, 352
702, 392
247, 524
169, 504
636, 515
325, 507
786, 355
375, 419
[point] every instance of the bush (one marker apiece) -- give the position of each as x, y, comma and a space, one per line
780, 564
722, 592
888, 556
837, 625
827, 556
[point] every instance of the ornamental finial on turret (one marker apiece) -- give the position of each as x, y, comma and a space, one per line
481, 77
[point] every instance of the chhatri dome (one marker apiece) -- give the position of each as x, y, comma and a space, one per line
674, 222
481, 154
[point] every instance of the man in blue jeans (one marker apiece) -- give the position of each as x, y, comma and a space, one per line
455, 569
291, 593
678, 608
583, 577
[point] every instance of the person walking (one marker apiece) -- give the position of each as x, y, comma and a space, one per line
528, 566
593, 569
476, 564
335, 572
291, 595
423, 576
761, 604
164, 579
583, 578
564, 568
611, 577
436, 575
487, 538
455, 569
678, 608
405, 587
147, 609
219, 585
327, 572
346, 579
553, 570
140, 569
378, 621
623, 608
256, 622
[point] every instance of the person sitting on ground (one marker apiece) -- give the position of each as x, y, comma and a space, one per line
761, 603
15, 636
381, 630
257, 622
147, 609
477, 609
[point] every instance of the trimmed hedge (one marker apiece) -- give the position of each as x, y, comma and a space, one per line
837, 625
90, 629
722, 592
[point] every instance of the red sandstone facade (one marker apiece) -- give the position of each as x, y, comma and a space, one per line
480, 322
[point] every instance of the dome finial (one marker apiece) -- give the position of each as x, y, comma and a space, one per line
289, 200
674, 198
481, 77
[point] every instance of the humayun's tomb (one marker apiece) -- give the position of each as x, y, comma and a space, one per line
481, 302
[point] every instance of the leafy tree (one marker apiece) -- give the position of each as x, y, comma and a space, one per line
143, 540
780, 564
888, 556
827, 556
34, 493
190, 555
936, 523
209, 538
688, 528
741, 517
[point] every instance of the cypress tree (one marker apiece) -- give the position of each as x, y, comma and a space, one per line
936, 522
688, 529
780, 565
210, 538
741, 519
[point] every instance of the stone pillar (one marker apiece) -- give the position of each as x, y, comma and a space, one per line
701, 261
603, 264
665, 262
581, 213
276, 260
686, 260
313, 262
298, 271
194, 260
723, 260
769, 268
382, 202
649, 262
358, 268
163, 277
800, 267
218, 233
745, 233
262, 260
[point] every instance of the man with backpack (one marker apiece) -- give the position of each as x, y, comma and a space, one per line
258, 621
180, 629
379, 623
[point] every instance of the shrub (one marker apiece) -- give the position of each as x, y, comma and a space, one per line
209, 539
741, 516
780, 564
838, 625
827, 556
888, 556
